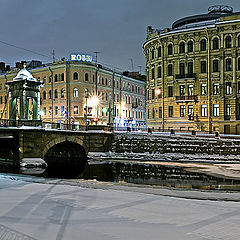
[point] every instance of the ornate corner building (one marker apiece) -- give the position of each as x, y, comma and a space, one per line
193, 73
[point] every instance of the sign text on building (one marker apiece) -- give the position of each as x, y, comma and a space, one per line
81, 57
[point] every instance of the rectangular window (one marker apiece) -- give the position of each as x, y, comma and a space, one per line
203, 66
153, 73
170, 69
182, 90
62, 111
182, 69
190, 68
160, 112
159, 71
190, 90
203, 89
204, 110
44, 111
170, 111
170, 91
190, 110
153, 93
215, 110
238, 86
215, 88
228, 110
228, 64
228, 88
56, 110
75, 110
182, 111
215, 66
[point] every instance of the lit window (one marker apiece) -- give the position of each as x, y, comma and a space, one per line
203, 89
204, 110
228, 88
182, 111
215, 88
75, 92
215, 110
75, 110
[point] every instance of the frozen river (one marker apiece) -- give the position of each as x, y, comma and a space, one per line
37, 208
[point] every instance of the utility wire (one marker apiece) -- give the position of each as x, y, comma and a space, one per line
25, 49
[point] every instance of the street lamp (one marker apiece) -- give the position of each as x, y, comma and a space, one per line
86, 97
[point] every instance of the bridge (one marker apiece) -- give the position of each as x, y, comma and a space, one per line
59, 148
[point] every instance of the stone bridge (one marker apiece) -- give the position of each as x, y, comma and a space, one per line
56, 147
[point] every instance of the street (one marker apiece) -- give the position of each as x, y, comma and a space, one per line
35, 208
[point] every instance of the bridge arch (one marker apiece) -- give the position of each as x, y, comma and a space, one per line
65, 158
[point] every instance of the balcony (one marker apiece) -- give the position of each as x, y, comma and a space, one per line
184, 76
192, 98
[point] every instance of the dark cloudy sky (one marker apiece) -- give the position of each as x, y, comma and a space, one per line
116, 28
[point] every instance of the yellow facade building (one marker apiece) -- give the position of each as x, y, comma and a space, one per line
79, 92
193, 73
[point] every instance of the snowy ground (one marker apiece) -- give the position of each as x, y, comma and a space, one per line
35, 208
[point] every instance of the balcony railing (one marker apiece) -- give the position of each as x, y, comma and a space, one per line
186, 98
187, 75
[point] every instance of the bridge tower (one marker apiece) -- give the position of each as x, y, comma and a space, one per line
23, 88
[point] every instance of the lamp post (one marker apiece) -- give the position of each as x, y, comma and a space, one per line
86, 114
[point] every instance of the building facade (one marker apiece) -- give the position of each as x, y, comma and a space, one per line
193, 73
80, 92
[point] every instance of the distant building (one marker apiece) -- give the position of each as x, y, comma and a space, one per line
193, 73
76, 92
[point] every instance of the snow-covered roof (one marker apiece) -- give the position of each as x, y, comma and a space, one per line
24, 74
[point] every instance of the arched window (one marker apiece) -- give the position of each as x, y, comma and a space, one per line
50, 94
55, 78
62, 93
75, 92
153, 54
182, 47
215, 43
75, 76
159, 51
44, 79
170, 49
228, 42
55, 93
228, 64
203, 45
86, 77
44, 95
190, 46
62, 77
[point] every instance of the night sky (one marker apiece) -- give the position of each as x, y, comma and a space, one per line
116, 28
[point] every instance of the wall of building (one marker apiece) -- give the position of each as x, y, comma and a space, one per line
63, 94
217, 90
